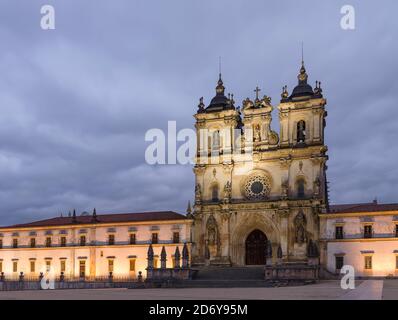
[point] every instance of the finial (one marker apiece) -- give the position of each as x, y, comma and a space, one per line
302, 53
220, 87
74, 216
284, 94
189, 210
219, 66
94, 217
201, 105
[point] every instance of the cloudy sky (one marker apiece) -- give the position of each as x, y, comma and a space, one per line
77, 101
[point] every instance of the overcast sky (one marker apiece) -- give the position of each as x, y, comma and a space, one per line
77, 101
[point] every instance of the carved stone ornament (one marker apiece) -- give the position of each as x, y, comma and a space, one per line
257, 187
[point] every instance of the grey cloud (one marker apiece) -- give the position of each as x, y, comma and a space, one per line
76, 102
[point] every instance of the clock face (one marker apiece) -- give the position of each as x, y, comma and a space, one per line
257, 187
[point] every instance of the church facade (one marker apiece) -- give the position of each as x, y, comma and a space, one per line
254, 186
261, 198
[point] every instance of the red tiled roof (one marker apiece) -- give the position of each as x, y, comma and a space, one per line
103, 218
363, 207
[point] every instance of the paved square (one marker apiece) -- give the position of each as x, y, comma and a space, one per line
369, 289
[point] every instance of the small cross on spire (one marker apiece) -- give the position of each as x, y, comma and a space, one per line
257, 90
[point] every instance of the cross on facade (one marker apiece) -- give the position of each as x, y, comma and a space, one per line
257, 90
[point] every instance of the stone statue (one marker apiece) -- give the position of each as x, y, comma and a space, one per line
284, 94
201, 105
227, 192
207, 250
279, 252
285, 189
257, 134
212, 232
247, 104
269, 249
198, 194
317, 186
300, 224
212, 235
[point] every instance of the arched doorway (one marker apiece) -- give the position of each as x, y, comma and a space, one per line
256, 245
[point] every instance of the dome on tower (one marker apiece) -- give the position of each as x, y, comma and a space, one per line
303, 89
220, 102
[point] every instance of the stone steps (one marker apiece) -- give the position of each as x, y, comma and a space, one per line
229, 273
222, 284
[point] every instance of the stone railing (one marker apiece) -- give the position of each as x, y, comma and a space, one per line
179, 272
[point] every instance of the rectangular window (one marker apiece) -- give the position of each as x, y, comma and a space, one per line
48, 265
154, 238
32, 242
82, 241
132, 238
82, 268
63, 241
176, 237
368, 262
32, 266
396, 230
1, 266
132, 264
63, 265
15, 243
1, 243
155, 262
111, 239
367, 231
48, 242
15, 266
339, 263
110, 265
396, 262
339, 232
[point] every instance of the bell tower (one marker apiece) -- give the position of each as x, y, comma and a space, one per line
302, 114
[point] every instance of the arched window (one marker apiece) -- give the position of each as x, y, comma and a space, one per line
301, 132
216, 140
301, 188
214, 193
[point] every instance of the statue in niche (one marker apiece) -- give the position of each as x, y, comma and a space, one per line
257, 133
300, 224
212, 232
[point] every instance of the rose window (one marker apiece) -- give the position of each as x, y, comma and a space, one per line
257, 187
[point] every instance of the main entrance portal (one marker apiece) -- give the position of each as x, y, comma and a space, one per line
256, 245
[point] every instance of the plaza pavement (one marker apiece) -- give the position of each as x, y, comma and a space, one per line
368, 289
